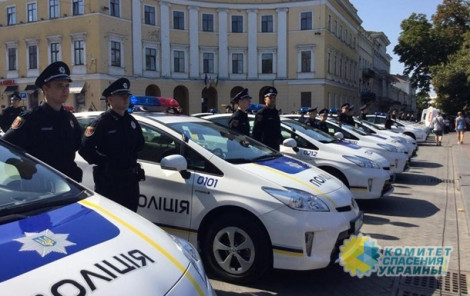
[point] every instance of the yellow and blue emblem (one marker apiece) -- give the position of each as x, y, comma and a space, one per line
359, 255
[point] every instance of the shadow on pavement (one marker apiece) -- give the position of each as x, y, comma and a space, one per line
414, 179
398, 207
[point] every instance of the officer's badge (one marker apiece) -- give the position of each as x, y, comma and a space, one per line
133, 125
17, 123
89, 131
62, 70
125, 85
72, 124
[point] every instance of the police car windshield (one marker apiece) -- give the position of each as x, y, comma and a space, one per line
354, 129
223, 142
309, 131
27, 184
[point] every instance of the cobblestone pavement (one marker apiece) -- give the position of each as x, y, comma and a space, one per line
429, 207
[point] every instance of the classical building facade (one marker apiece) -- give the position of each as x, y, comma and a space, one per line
199, 52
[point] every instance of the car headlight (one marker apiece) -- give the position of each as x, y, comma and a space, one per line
298, 199
388, 147
362, 161
192, 254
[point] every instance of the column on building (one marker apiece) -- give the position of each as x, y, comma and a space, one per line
193, 42
223, 43
282, 42
137, 38
252, 44
165, 38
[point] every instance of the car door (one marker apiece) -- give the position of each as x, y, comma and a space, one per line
306, 151
165, 196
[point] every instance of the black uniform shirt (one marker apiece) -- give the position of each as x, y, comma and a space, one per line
112, 140
8, 116
312, 122
239, 122
267, 127
52, 136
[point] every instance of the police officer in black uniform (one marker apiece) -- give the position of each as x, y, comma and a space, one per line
111, 142
363, 115
322, 123
239, 120
312, 117
48, 131
267, 126
10, 113
343, 116
350, 116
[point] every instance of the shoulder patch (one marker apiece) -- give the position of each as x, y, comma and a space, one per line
89, 131
17, 123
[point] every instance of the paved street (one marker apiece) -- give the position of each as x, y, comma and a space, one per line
427, 208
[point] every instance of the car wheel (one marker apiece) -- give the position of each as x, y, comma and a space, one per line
338, 174
237, 249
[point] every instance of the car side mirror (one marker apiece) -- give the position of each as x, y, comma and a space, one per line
339, 135
176, 162
291, 143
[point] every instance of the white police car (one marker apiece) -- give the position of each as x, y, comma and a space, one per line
366, 174
59, 238
417, 132
247, 207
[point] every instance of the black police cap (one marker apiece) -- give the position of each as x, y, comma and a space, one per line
15, 96
240, 96
323, 111
270, 91
120, 86
312, 109
55, 71
351, 107
363, 107
345, 105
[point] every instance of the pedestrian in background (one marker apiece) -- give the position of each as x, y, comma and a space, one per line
267, 126
437, 124
48, 131
239, 120
10, 113
460, 127
111, 143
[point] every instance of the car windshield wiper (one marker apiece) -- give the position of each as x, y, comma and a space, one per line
266, 157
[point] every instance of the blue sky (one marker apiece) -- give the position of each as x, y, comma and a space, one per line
386, 16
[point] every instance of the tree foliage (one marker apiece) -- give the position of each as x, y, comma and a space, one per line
438, 53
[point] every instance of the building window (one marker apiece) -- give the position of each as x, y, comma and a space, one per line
33, 56
207, 22
336, 28
208, 62
267, 63
114, 8
340, 34
79, 52
32, 11
305, 99
178, 61
328, 63
237, 24
237, 63
329, 22
178, 20
306, 61
150, 59
54, 9
55, 50
149, 15
306, 21
267, 24
115, 54
11, 15
77, 7
12, 59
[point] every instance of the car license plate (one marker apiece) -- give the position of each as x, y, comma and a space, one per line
356, 224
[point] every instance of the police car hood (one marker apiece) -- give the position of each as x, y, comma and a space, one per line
92, 245
289, 172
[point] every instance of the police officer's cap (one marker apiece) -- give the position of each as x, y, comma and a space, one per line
345, 105
270, 91
16, 97
323, 111
312, 109
240, 96
351, 107
363, 107
55, 71
118, 87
